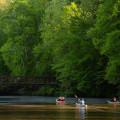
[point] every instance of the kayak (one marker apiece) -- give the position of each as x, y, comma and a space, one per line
60, 101
81, 105
111, 102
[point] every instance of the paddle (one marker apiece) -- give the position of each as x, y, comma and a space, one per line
77, 98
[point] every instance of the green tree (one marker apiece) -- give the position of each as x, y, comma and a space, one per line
90, 7
49, 27
21, 27
81, 55
4, 6
106, 34
65, 34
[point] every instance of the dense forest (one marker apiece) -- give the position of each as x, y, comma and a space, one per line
75, 41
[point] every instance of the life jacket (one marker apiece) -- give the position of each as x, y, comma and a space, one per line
59, 98
63, 99
114, 99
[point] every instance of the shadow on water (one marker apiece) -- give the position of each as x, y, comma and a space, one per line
42, 99
45, 108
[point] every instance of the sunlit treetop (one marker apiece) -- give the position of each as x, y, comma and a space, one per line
4, 4
74, 11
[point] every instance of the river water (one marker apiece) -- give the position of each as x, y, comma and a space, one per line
45, 108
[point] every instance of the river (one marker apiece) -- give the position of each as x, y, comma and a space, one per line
45, 108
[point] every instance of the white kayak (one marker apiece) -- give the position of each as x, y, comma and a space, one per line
81, 105
111, 102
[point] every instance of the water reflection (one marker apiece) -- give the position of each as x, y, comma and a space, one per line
80, 113
25, 108
59, 112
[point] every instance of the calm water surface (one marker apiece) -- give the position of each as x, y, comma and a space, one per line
45, 108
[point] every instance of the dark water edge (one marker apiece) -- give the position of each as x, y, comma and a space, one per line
45, 108
46, 100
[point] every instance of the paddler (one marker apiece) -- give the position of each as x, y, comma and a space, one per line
114, 99
81, 101
63, 98
59, 99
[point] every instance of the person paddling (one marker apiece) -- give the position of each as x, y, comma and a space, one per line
81, 101
63, 99
114, 99
59, 99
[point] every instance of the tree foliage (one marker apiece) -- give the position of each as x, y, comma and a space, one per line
21, 27
106, 35
76, 41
